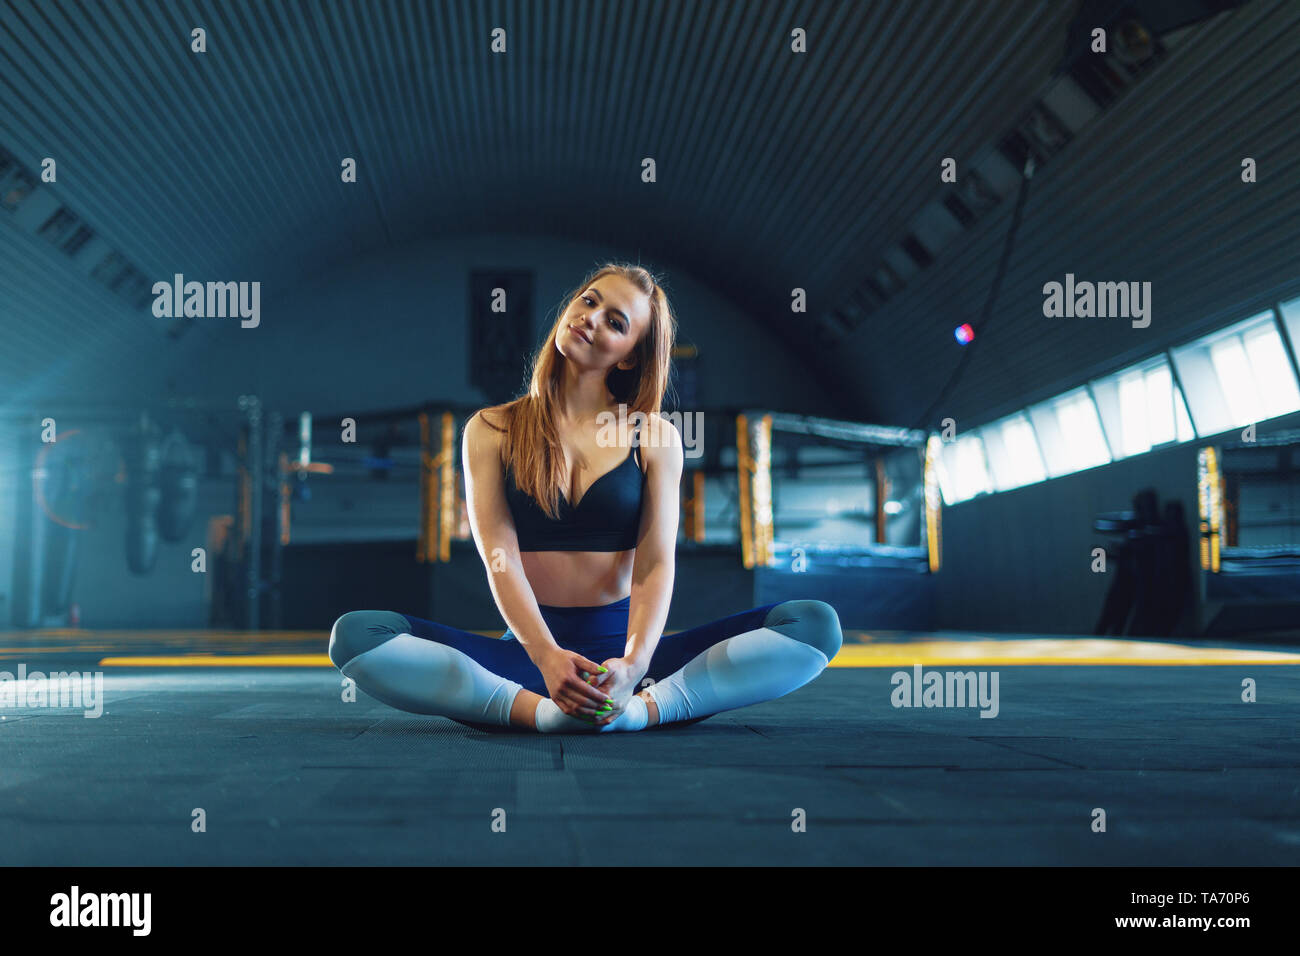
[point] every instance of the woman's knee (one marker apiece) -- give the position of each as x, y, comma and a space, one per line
359, 631
815, 623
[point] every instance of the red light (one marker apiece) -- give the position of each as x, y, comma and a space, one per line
964, 333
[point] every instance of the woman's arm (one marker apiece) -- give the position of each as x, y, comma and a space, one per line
655, 564
498, 544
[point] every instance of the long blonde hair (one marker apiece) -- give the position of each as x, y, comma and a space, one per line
531, 447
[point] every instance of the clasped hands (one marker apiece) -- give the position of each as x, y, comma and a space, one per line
581, 688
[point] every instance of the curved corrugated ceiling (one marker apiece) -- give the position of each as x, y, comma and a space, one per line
775, 170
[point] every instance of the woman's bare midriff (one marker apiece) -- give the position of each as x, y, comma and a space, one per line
579, 578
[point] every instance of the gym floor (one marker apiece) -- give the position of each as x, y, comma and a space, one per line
254, 730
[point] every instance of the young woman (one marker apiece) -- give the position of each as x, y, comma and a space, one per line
574, 509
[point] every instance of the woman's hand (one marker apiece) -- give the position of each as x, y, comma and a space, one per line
618, 683
563, 672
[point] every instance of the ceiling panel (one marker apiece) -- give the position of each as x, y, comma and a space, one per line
775, 170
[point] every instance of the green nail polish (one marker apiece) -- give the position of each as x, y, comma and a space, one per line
603, 669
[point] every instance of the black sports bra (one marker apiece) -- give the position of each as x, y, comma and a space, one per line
606, 518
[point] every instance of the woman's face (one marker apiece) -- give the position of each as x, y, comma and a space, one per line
603, 325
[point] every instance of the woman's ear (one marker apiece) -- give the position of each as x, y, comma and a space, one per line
628, 362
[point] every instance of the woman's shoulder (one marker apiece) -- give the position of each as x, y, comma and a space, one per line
659, 430
486, 429
659, 440
495, 417
490, 425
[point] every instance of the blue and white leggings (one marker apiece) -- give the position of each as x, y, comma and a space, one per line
429, 668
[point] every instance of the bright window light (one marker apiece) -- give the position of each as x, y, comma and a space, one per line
964, 472
1018, 435
1069, 433
1233, 368
1012, 452
1138, 419
1141, 407
1227, 379
1271, 371
1086, 445
1237, 376
1166, 410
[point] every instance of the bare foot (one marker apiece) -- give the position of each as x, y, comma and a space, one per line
523, 713
652, 710
651, 707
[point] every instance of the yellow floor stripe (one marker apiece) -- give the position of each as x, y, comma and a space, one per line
145, 636
1041, 651
1005, 653
222, 660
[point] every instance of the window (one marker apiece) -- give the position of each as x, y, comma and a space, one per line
1069, 433
1237, 376
963, 469
1141, 407
1230, 378
1013, 455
